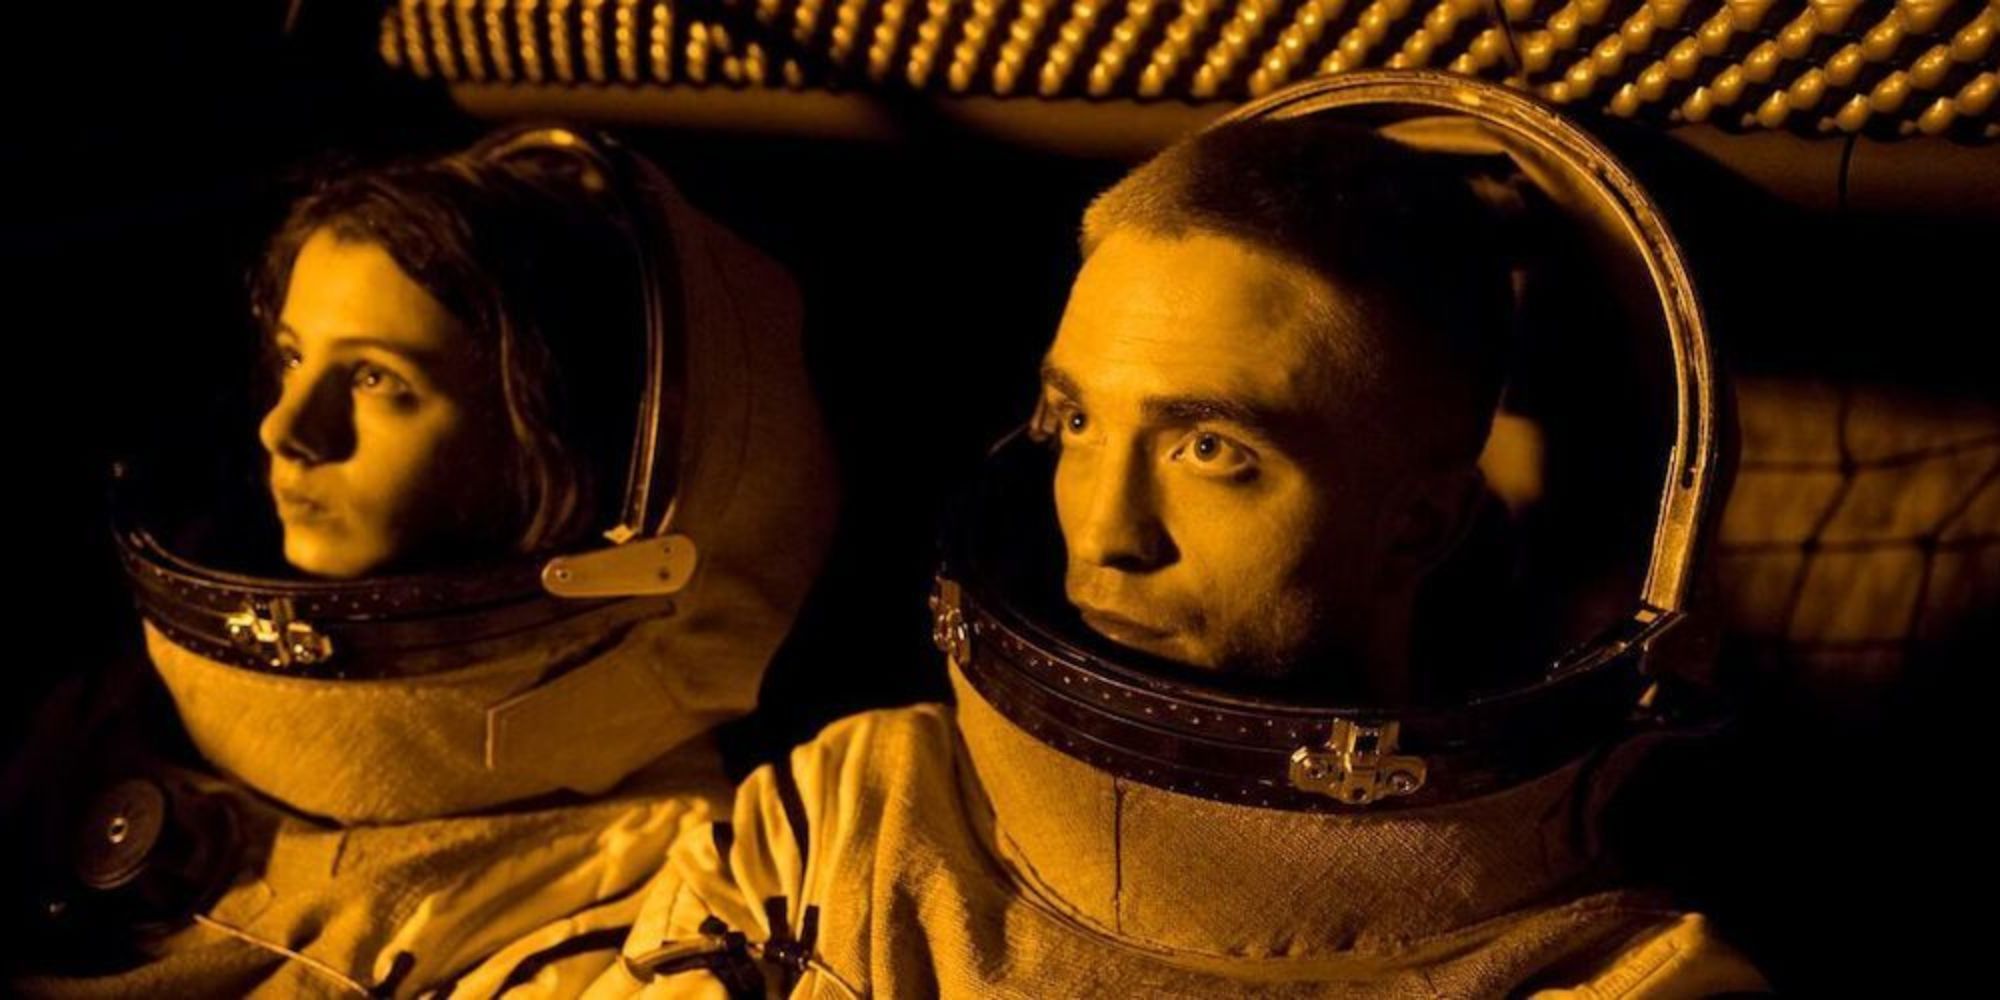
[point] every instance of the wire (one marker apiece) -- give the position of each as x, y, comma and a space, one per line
306, 960
1498, 15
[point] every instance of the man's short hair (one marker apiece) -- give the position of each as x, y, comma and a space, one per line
1398, 232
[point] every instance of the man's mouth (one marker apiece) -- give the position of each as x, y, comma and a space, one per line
1119, 628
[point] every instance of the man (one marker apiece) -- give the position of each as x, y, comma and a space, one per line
1267, 397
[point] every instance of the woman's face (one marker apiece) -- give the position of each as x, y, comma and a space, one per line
387, 441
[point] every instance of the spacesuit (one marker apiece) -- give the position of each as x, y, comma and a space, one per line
1089, 820
399, 777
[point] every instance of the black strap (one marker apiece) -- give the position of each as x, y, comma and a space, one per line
787, 952
792, 954
794, 805
605, 939
523, 971
728, 959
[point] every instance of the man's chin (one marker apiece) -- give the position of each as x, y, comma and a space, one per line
1165, 644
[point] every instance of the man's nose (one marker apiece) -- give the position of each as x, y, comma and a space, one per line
1122, 527
311, 422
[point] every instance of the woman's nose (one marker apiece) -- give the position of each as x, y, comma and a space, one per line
310, 424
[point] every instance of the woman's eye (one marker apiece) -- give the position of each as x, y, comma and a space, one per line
288, 360
1073, 420
1213, 454
378, 381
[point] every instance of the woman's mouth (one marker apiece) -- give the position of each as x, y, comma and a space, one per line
295, 506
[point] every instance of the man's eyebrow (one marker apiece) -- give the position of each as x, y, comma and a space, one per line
1196, 409
1061, 381
1186, 409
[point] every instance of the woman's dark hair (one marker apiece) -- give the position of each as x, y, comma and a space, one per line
532, 258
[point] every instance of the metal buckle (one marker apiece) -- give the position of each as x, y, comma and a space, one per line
270, 630
949, 632
1355, 766
647, 567
720, 950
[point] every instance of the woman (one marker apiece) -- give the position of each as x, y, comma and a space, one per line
536, 426
451, 379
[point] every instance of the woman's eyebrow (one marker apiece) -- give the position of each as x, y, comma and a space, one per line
417, 353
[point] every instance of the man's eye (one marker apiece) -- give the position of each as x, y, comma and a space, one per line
378, 381
1056, 419
1213, 454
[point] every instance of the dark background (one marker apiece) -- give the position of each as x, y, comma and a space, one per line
158, 146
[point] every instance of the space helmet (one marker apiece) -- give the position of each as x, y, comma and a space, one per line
1602, 470
433, 693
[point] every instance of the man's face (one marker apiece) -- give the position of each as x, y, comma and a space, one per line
1213, 498
377, 444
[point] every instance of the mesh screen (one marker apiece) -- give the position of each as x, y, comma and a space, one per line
1882, 67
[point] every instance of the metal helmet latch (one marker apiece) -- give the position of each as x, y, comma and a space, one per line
1357, 765
643, 567
268, 628
949, 631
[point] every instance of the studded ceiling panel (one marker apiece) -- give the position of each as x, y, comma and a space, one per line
1885, 68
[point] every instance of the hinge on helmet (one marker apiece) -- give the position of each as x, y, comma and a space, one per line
1357, 766
268, 628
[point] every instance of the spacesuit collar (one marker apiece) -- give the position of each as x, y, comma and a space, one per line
1195, 877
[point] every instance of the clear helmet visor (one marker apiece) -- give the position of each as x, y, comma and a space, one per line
1530, 640
469, 678
443, 451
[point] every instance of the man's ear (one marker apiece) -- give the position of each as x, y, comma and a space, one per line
1430, 516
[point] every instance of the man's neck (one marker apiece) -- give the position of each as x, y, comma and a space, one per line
1384, 652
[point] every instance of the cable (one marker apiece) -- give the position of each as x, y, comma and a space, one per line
307, 960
